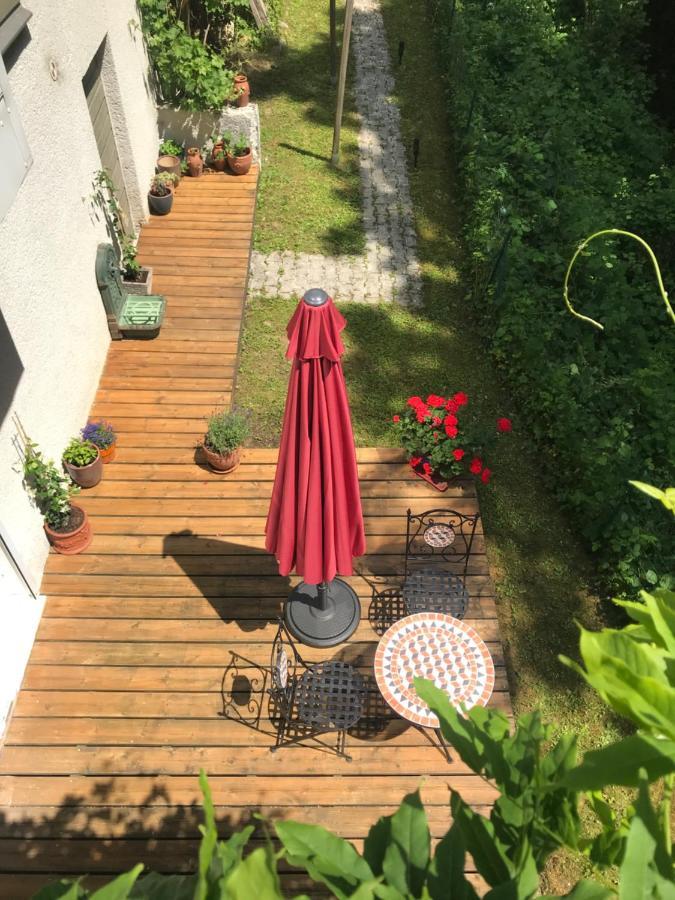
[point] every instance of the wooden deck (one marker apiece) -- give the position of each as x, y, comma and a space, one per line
122, 702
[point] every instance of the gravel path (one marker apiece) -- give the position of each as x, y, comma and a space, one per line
389, 270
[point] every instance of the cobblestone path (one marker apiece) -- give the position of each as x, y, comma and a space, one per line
389, 270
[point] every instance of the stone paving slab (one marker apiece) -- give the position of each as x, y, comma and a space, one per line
389, 269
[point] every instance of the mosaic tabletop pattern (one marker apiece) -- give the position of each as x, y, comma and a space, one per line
438, 647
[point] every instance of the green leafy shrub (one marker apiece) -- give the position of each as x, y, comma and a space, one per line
80, 452
50, 488
555, 142
170, 148
190, 74
226, 431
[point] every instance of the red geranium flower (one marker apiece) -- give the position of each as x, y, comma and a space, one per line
460, 398
504, 425
436, 420
451, 431
415, 461
452, 406
426, 468
458, 453
396, 419
435, 400
485, 477
450, 419
415, 402
476, 465
422, 412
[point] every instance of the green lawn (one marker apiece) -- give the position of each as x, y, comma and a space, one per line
539, 567
304, 204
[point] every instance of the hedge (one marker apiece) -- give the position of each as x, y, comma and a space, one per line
556, 141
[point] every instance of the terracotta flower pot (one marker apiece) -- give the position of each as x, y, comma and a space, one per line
195, 162
242, 89
169, 163
219, 163
432, 478
240, 164
86, 476
74, 541
108, 453
222, 463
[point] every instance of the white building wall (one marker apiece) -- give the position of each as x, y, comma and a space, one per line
48, 239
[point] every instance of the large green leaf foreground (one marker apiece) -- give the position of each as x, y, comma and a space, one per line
540, 783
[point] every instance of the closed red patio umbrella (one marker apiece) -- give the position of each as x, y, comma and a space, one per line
315, 524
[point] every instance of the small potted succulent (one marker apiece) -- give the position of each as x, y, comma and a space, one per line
195, 161
136, 279
239, 156
102, 435
160, 195
82, 461
226, 432
169, 159
66, 525
444, 440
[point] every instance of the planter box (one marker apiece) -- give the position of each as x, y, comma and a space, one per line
143, 286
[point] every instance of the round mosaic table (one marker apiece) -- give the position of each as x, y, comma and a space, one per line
438, 647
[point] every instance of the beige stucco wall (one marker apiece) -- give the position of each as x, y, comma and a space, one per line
48, 239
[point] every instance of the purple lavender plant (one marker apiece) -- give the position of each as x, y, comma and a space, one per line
100, 433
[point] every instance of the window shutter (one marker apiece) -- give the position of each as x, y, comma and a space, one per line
13, 17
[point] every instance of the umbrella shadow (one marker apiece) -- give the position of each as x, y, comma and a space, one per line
240, 581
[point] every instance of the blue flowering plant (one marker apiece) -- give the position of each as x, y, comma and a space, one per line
102, 434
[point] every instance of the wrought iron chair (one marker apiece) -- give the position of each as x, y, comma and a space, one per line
438, 543
312, 700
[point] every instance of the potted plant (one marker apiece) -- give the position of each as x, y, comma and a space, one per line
136, 279
226, 432
219, 159
66, 525
242, 90
160, 195
169, 159
239, 156
444, 439
195, 162
102, 435
82, 461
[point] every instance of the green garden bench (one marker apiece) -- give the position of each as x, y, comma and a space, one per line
129, 315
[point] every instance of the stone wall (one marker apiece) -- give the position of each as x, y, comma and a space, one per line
193, 128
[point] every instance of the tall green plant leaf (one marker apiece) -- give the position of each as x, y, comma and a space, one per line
620, 763
646, 860
61, 890
406, 857
120, 888
154, 886
326, 857
447, 879
255, 878
482, 843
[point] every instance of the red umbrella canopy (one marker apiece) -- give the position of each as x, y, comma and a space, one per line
315, 523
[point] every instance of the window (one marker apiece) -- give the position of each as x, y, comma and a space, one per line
14, 152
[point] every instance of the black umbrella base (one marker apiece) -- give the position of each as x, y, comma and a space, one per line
326, 627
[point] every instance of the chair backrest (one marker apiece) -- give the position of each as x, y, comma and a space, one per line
283, 663
109, 280
440, 535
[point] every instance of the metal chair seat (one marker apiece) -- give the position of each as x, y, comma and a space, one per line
330, 695
430, 589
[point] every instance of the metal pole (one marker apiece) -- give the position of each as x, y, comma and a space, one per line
333, 44
349, 9
322, 595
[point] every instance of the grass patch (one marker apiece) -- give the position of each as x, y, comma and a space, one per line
304, 204
539, 567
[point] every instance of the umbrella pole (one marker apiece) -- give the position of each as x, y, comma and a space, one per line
322, 596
